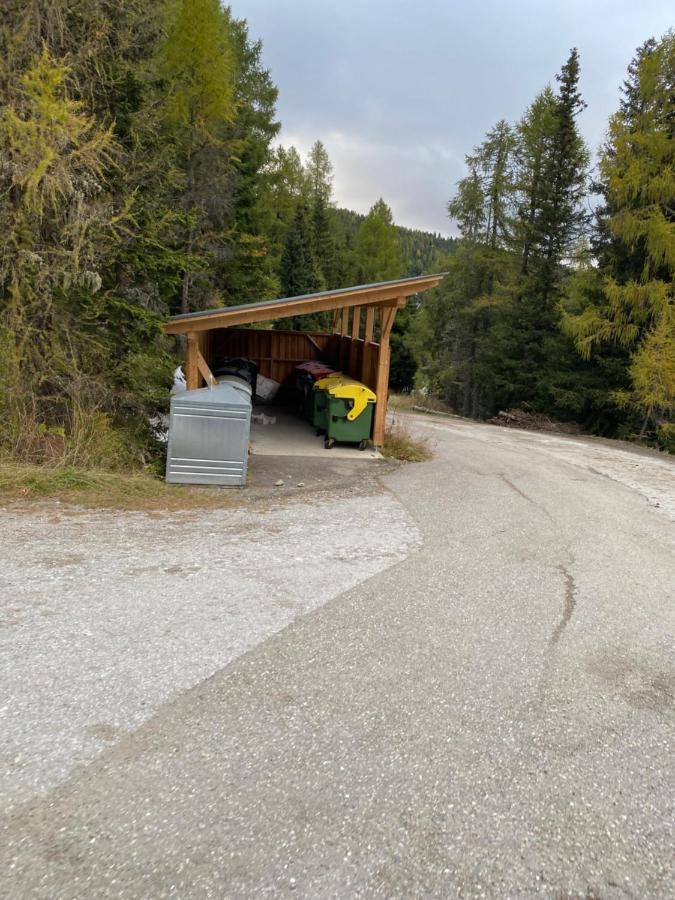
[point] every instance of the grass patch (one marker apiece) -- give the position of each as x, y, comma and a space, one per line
92, 488
408, 402
399, 443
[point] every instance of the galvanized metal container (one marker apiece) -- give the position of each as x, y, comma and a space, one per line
208, 436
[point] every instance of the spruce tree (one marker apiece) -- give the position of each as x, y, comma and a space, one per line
567, 170
467, 207
459, 317
319, 189
551, 181
299, 270
299, 273
325, 243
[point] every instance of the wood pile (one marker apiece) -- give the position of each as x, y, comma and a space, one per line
519, 418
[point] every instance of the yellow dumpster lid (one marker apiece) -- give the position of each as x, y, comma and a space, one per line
322, 383
348, 389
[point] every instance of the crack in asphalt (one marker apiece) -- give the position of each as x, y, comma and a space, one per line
569, 604
570, 597
515, 488
540, 506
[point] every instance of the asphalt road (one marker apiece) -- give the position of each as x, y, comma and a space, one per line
492, 716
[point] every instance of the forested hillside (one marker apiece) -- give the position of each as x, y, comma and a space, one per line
548, 306
141, 176
422, 251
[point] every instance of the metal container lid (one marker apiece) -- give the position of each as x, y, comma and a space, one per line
238, 383
220, 396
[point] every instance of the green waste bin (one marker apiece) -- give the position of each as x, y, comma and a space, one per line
319, 417
344, 410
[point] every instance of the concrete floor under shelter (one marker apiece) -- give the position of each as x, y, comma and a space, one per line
290, 435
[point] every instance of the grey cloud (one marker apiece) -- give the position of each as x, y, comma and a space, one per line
400, 91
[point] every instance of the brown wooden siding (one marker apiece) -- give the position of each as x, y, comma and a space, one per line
277, 353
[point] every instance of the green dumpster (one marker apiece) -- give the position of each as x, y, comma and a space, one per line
319, 417
344, 410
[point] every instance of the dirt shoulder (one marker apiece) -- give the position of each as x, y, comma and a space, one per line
25, 488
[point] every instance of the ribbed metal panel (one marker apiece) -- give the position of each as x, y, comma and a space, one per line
208, 437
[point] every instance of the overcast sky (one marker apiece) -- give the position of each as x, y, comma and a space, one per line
399, 91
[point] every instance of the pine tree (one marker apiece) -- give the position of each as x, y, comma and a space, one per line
57, 222
100, 313
535, 139
632, 103
638, 311
196, 68
286, 178
421, 251
319, 175
493, 327
378, 258
625, 262
461, 314
248, 271
483, 203
378, 252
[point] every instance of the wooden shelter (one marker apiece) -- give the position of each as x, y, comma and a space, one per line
359, 315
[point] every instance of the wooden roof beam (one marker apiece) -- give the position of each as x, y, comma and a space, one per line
285, 309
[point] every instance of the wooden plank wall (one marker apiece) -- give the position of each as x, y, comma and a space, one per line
355, 357
276, 353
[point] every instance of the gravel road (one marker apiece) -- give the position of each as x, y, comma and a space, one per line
105, 616
474, 698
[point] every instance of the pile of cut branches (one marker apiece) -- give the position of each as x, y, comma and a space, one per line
519, 418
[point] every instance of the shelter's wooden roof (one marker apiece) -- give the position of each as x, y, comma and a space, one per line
381, 293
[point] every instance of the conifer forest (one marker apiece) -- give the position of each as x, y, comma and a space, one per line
142, 176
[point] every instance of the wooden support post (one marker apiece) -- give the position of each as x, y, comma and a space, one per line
204, 370
337, 314
196, 366
356, 323
387, 316
345, 322
370, 322
191, 365
355, 343
368, 348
